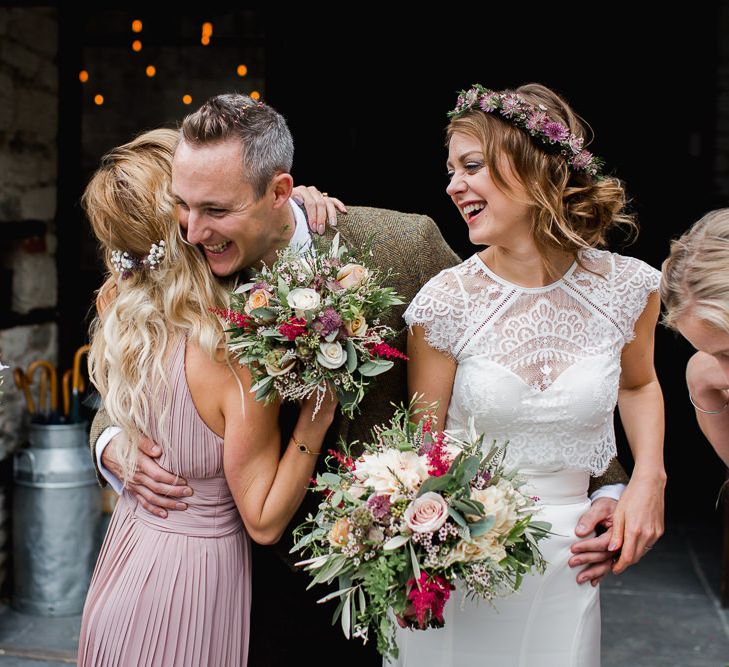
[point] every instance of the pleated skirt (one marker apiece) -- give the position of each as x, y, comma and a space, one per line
160, 598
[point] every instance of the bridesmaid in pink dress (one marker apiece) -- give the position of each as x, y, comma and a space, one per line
176, 591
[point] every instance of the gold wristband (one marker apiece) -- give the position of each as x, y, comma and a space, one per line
303, 448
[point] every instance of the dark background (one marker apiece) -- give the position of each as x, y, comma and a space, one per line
366, 99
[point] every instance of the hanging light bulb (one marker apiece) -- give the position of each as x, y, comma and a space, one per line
150, 71
83, 76
98, 100
242, 70
137, 45
136, 25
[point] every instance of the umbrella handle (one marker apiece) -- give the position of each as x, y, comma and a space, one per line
21, 381
77, 367
66, 386
52, 377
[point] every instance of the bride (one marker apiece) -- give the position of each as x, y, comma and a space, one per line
538, 336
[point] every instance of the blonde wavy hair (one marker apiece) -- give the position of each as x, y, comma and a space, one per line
570, 210
695, 275
129, 206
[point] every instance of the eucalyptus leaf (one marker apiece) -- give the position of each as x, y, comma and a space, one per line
334, 252
457, 517
336, 594
263, 313
263, 391
262, 383
375, 367
415, 564
330, 478
395, 542
283, 290
351, 357
483, 526
331, 337
243, 288
347, 616
435, 484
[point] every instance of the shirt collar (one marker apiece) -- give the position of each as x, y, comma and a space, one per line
301, 239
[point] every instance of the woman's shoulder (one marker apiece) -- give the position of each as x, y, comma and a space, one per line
452, 277
620, 268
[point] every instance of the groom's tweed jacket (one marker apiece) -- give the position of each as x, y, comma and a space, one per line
411, 246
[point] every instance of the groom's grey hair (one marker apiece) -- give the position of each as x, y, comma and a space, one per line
267, 147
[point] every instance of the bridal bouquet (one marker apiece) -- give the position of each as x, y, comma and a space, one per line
310, 321
416, 511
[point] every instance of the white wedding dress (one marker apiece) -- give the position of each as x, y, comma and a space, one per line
538, 367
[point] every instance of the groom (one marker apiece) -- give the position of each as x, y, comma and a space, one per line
231, 181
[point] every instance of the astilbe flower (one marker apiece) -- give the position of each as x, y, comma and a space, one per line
293, 328
240, 320
428, 599
344, 461
438, 459
386, 351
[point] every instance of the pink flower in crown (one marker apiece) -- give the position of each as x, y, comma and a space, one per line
489, 102
582, 161
575, 143
471, 97
536, 120
511, 105
556, 132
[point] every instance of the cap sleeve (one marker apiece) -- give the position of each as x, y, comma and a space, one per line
440, 308
635, 282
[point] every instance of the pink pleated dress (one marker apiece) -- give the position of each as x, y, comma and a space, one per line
173, 592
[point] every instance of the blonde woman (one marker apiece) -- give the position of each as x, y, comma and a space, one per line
176, 591
695, 292
537, 337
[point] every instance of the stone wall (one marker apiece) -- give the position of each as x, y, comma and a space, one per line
28, 164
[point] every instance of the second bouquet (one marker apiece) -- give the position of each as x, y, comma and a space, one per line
313, 321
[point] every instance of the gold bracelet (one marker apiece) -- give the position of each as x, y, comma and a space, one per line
303, 448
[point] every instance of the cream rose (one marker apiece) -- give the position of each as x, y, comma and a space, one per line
357, 327
331, 355
303, 300
427, 513
497, 504
339, 534
382, 471
257, 299
478, 549
351, 275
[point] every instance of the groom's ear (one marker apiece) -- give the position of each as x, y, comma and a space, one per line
280, 189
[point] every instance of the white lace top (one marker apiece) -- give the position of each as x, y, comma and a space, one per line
539, 367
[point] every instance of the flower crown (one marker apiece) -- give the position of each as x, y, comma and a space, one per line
534, 120
126, 264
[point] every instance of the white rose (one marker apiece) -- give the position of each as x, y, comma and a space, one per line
331, 355
376, 470
483, 547
496, 503
303, 299
427, 513
351, 275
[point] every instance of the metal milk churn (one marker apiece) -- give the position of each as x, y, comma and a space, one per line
56, 518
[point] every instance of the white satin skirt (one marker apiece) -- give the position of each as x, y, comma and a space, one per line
551, 621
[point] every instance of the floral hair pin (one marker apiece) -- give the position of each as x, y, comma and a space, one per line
533, 120
126, 264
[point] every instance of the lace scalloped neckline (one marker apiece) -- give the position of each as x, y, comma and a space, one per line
522, 288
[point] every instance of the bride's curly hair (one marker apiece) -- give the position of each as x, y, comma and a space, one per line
570, 210
129, 206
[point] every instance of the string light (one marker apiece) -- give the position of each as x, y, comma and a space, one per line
83, 76
187, 99
136, 25
151, 71
256, 95
207, 33
98, 100
242, 70
137, 45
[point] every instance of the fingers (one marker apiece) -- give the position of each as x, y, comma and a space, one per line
599, 543
594, 573
149, 467
161, 488
600, 511
152, 502
334, 205
320, 208
149, 447
637, 543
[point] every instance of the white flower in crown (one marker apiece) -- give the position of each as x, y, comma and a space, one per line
156, 255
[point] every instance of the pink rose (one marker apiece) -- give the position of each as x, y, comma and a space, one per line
351, 275
427, 513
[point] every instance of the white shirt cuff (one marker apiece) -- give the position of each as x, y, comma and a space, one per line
104, 439
613, 491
